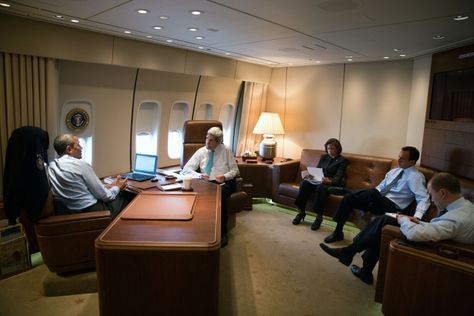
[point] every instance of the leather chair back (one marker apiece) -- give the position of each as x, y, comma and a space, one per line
194, 136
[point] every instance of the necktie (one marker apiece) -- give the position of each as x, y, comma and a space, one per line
389, 186
210, 158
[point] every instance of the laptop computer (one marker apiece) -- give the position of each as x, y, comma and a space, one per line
145, 168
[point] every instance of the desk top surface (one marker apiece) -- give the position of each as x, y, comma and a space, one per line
201, 233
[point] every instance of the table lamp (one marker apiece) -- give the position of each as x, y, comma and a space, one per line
268, 124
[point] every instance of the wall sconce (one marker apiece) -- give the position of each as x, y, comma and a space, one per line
268, 124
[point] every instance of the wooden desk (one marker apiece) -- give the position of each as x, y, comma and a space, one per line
259, 175
150, 267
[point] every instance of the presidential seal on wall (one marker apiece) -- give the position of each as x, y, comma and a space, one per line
77, 119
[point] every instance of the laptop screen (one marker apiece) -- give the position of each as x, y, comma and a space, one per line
145, 163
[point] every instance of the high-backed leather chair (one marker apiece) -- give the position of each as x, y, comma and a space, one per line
194, 137
66, 242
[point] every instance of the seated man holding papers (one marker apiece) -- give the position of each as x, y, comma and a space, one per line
215, 162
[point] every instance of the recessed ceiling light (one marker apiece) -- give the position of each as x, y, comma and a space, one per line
200, 47
169, 41
143, 11
386, 57
402, 55
196, 12
438, 37
461, 17
127, 32
74, 21
193, 29
349, 59
6, 5
158, 27
318, 62
397, 49
199, 37
59, 17
149, 36
227, 53
164, 17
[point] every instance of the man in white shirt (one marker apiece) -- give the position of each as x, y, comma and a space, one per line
455, 221
75, 186
216, 162
394, 194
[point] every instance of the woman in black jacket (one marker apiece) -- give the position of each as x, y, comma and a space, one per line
334, 169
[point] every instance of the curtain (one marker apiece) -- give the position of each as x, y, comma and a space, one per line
28, 96
253, 103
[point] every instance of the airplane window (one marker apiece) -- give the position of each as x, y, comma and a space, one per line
227, 118
146, 137
86, 143
179, 114
76, 118
175, 137
204, 112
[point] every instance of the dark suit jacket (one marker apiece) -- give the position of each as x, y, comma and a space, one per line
334, 168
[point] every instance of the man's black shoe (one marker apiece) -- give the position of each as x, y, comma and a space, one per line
335, 236
363, 276
337, 253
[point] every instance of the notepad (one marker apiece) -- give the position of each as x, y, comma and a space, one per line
161, 206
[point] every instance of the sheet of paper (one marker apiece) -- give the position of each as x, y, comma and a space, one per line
394, 215
317, 173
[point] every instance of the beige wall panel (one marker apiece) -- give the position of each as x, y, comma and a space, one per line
252, 72
208, 65
276, 101
29, 37
110, 89
313, 107
418, 101
217, 91
144, 55
376, 106
165, 88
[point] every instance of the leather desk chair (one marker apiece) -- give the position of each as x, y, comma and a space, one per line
66, 242
194, 137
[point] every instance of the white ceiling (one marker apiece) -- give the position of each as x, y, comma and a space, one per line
273, 32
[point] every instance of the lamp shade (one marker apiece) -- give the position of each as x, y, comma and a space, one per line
269, 123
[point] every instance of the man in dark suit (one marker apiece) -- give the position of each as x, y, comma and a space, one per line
334, 169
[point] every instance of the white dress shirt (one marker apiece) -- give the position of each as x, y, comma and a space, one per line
75, 184
411, 185
223, 164
456, 224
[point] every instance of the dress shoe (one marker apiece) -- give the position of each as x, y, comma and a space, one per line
335, 236
299, 218
224, 241
363, 276
337, 253
316, 224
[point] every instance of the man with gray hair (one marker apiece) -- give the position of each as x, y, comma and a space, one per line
75, 186
216, 163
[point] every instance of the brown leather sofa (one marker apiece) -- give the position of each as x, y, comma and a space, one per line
194, 137
363, 172
66, 242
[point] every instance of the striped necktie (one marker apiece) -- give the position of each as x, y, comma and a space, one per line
389, 186
210, 160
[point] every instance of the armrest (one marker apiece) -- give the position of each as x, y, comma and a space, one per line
284, 172
389, 232
73, 223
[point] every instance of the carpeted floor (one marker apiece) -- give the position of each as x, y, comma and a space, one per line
270, 267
